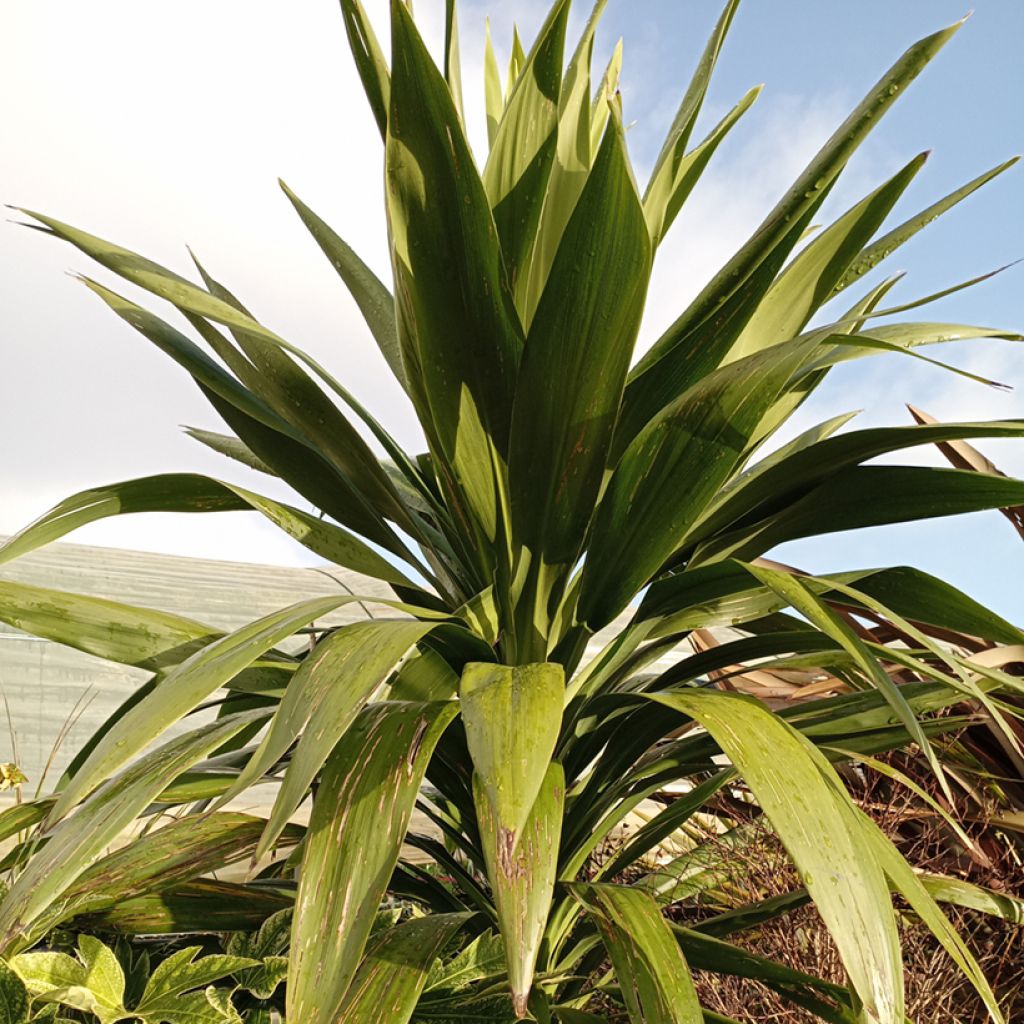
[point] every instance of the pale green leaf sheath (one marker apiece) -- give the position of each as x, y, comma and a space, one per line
523, 875
512, 719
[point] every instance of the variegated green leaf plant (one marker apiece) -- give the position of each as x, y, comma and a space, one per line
576, 517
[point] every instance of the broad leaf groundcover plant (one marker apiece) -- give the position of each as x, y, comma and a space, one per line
566, 487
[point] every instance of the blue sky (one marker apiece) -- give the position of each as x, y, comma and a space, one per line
157, 131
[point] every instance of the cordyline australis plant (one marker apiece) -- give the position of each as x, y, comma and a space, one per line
565, 488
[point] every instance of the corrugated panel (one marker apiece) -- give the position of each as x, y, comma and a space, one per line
44, 682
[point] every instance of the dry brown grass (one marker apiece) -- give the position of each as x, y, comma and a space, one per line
937, 992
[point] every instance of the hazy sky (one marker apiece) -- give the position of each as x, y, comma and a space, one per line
158, 125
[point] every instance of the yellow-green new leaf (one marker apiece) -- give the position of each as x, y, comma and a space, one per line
605, 97
661, 200
649, 965
805, 801
523, 876
516, 62
494, 100
583, 331
360, 816
516, 173
452, 60
512, 718
664, 198
573, 158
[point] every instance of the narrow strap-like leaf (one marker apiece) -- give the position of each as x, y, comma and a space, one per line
686, 117
369, 60
516, 173
494, 100
660, 194
157, 861
668, 473
573, 159
394, 971
323, 704
107, 629
375, 302
801, 288
649, 965
704, 953
916, 892
279, 379
818, 613
461, 340
286, 449
885, 246
229, 446
516, 62
199, 906
360, 816
799, 470
77, 842
817, 823
189, 492
960, 893
184, 689
867, 496
584, 331
662, 372
663, 202
452, 60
